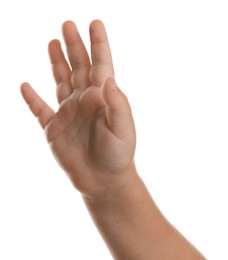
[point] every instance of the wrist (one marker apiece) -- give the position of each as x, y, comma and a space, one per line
114, 189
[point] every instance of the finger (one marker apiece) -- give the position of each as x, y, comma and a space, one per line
102, 66
61, 71
77, 54
37, 105
118, 111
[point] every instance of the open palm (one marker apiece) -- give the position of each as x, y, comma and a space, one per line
92, 134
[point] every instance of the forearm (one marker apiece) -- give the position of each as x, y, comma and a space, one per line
134, 228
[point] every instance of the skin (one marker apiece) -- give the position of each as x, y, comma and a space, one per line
89, 134
92, 137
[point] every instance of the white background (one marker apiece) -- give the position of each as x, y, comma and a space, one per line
171, 59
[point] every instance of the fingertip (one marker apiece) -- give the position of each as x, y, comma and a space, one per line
69, 31
110, 86
96, 22
54, 51
53, 43
97, 31
113, 97
25, 88
37, 105
24, 84
111, 83
68, 23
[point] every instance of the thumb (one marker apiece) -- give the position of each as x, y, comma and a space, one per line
118, 111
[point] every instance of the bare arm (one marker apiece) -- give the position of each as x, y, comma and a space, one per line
92, 137
134, 228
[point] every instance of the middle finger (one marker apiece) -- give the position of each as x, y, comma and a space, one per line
77, 54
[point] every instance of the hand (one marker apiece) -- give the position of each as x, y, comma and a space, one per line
92, 135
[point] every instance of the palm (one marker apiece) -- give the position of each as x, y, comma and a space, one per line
80, 129
86, 136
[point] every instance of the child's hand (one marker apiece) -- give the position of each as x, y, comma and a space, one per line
92, 135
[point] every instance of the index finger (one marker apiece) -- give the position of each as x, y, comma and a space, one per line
102, 65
